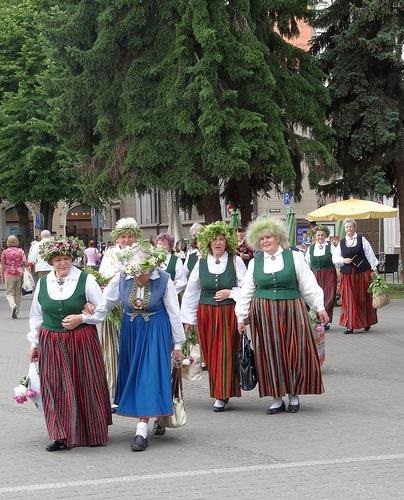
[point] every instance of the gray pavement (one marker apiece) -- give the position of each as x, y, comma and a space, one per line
347, 443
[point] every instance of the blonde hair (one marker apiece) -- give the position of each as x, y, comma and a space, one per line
350, 221
12, 241
266, 226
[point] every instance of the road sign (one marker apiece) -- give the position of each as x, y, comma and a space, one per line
287, 197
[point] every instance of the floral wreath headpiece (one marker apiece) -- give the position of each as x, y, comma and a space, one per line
320, 227
266, 225
126, 226
207, 234
55, 246
141, 258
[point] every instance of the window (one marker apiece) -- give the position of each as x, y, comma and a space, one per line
146, 208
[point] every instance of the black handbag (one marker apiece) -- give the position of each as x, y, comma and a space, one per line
245, 365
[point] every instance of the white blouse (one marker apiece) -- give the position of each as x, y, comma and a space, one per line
58, 292
318, 251
170, 300
180, 278
311, 292
110, 264
351, 242
198, 254
192, 292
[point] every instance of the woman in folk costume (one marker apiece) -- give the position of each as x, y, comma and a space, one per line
319, 258
193, 253
125, 235
208, 302
357, 260
151, 333
277, 285
172, 264
65, 342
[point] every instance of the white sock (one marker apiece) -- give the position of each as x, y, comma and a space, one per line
142, 428
219, 403
293, 400
276, 403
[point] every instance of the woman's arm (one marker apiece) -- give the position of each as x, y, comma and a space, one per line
245, 295
180, 279
170, 300
191, 297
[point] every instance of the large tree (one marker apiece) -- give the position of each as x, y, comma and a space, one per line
190, 95
361, 49
35, 165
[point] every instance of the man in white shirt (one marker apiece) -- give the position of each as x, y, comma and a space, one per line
40, 267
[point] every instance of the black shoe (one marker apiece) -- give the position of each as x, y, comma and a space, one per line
55, 445
219, 409
367, 328
114, 409
348, 331
158, 429
294, 408
139, 443
326, 327
279, 409
14, 312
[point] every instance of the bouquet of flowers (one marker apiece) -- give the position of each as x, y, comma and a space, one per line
378, 289
191, 364
23, 392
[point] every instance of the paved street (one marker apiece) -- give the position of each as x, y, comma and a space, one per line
347, 443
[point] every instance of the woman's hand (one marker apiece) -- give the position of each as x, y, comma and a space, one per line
177, 356
72, 321
33, 354
222, 294
347, 261
323, 317
241, 327
188, 327
88, 309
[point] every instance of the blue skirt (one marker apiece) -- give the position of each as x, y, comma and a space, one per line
144, 367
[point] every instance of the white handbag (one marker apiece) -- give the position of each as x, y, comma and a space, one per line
179, 417
193, 370
28, 282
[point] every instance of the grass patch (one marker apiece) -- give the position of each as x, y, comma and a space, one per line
396, 291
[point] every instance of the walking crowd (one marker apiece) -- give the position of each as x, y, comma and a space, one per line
106, 337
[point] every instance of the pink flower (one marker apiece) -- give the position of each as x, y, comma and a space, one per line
20, 399
31, 393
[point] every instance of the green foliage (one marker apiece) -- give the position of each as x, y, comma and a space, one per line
181, 94
361, 52
377, 285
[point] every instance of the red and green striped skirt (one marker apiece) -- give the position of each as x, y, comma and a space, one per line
356, 310
219, 340
73, 387
285, 351
327, 280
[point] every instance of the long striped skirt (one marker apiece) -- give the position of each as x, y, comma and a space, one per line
285, 351
219, 340
327, 280
73, 387
356, 310
109, 337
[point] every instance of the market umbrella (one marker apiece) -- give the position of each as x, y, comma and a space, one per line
291, 225
174, 221
357, 209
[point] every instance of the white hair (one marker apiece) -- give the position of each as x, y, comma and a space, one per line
45, 234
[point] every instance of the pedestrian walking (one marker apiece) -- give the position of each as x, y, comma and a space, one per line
357, 262
65, 342
173, 264
277, 286
208, 303
39, 266
13, 261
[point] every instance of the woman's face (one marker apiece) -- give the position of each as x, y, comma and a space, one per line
62, 265
320, 237
350, 229
218, 246
269, 243
164, 245
240, 235
126, 240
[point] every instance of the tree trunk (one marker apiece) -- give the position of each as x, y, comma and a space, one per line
238, 192
47, 210
23, 221
209, 206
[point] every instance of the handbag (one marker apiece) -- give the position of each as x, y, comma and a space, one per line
380, 300
179, 417
245, 365
28, 282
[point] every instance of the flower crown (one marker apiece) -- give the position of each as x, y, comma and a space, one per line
207, 234
266, 225
141, 258
126, 226
55, 246
320, 227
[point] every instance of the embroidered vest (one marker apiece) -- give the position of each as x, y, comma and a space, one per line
357, 254
55, 310
318, 262
211, 283
279, 285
